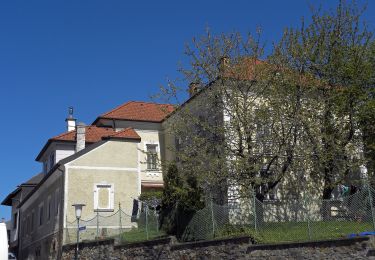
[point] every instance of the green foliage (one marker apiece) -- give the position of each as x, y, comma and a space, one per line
238, 230
151, 195
181, 196
278, 232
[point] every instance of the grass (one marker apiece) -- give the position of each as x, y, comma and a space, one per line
271, 232
140, 234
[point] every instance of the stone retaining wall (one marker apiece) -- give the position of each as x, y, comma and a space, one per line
234, 248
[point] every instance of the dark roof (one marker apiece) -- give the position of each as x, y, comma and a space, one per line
32, 182
8, 199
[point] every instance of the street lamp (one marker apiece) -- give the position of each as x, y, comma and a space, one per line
78, 210
363, 170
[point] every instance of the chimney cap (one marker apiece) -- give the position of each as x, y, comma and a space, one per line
81, 124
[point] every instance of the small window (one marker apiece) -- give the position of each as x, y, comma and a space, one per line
51, 160
15, 219
152, 156
57, 202
32, 221
45, 167
41, 215
104, 197
49, 208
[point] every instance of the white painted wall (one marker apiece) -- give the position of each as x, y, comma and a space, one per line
62, 154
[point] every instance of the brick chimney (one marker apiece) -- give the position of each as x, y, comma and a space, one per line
193, 88
70, 120
80, 137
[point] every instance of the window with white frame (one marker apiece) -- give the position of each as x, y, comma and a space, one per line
104, 197
152, 156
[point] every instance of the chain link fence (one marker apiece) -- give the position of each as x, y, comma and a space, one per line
270, 221
274, 221
118, 225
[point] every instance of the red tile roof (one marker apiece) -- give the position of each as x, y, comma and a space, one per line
245, 69
139, 111
127, 133
95, 134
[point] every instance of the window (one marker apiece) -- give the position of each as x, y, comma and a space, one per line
32, 221
27, 225
44, 167
152, 156
23, 227
49, 208
104, 197
51, 160
57, 202
15, 219
41, 215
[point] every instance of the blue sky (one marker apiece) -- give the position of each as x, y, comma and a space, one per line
95, 55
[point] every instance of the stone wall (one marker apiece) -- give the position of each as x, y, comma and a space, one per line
234, 248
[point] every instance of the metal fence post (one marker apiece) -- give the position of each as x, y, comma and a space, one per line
371, 204
255, 210
120, 223
97, 223
308, 216
67, 236
212, 218
146, 212
157, 221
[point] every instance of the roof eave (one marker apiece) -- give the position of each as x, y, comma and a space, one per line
8, 199
121, 139
123, 119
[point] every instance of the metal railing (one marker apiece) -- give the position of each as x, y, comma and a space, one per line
274, 221
118, 225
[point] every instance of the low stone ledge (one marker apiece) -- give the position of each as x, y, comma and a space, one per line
82, 244
311, 244
216, 242
146, 243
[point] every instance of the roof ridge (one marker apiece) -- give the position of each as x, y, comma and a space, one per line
134, 101
149, 102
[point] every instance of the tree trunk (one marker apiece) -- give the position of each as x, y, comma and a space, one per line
326, 207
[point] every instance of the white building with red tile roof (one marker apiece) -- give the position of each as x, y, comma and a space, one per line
107, 163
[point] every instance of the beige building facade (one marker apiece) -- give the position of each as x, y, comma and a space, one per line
105, 166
